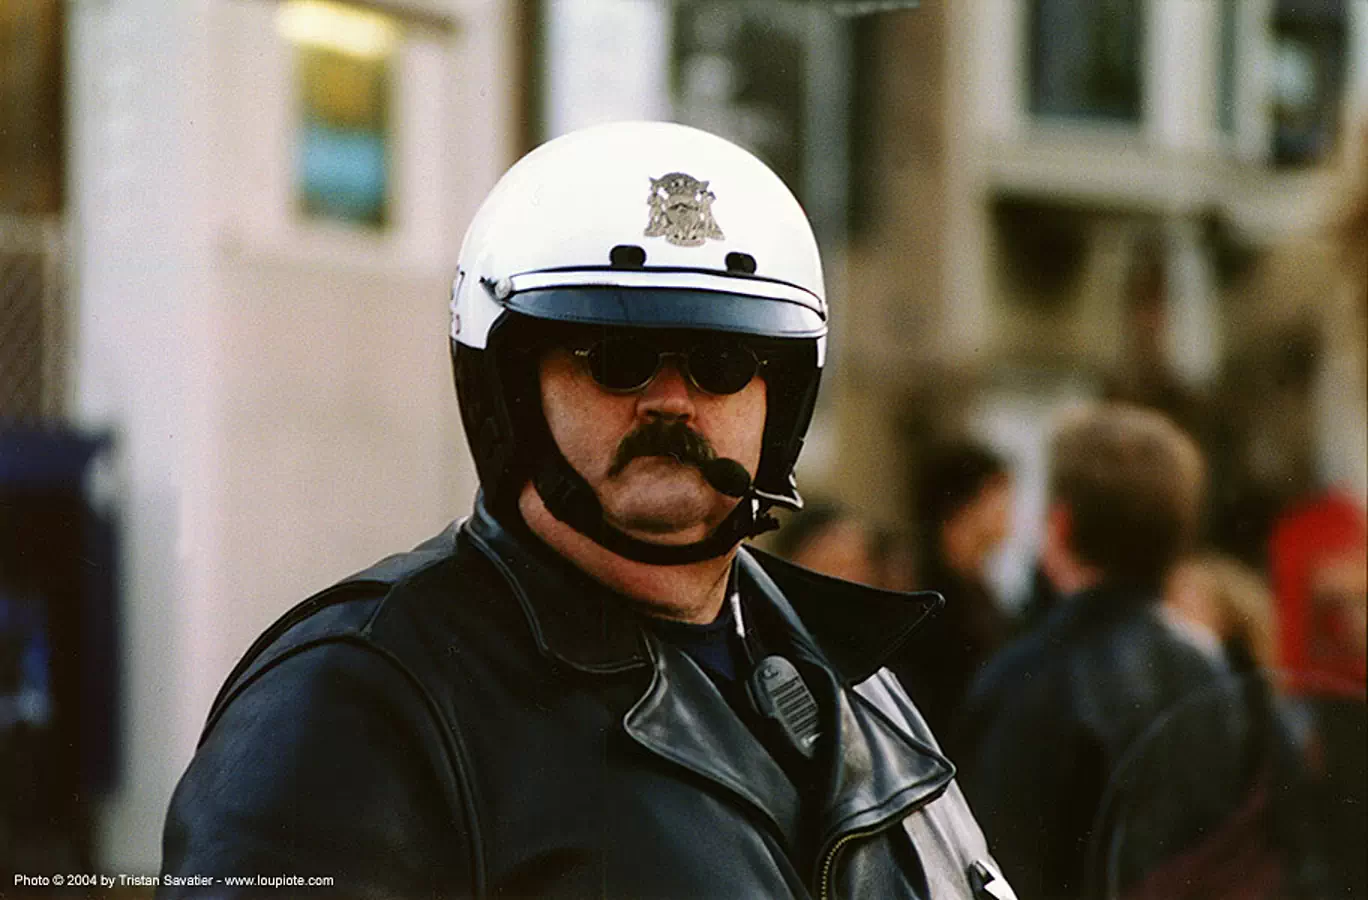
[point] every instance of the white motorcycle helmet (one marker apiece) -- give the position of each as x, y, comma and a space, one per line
633, 225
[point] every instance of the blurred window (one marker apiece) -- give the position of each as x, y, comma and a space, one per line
343, 60
1309, 41
741, 73
1085, 58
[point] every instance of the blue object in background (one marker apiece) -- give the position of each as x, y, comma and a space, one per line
344, 173
25, 658
59, 599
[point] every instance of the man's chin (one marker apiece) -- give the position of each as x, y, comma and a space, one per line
665, 537
678, 523
687, 519
664, 502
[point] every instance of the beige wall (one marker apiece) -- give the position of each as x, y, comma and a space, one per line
336, 439
280, 390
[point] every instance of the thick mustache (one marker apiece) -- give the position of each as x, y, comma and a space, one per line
663, 438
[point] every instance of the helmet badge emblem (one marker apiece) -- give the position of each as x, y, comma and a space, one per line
681, 210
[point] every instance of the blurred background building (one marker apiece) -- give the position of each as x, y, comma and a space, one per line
228, 227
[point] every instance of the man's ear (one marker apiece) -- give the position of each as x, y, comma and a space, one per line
1058, 527
1056, 559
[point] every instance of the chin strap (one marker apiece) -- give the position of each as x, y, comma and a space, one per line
571, 500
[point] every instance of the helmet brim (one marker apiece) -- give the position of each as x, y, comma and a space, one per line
671, 308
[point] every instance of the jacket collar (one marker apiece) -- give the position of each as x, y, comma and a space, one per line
573, 618
1103, 605
857, 627
875, 771
578, 621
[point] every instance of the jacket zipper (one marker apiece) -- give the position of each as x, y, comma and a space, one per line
829, 861
825, 885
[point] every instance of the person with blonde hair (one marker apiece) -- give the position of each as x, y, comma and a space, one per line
1225, 607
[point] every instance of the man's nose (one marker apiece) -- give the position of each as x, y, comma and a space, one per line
668, 394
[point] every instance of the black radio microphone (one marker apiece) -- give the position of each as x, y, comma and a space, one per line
727, 476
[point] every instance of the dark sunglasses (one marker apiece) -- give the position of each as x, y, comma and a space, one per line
624, 364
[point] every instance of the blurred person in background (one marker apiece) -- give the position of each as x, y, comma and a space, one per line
1318, 557
895, 562
1052, 717
825, 538
1041, 598
587, 688
1315, 740
963, 513
1225, 607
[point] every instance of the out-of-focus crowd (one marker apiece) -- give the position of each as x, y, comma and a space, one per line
1177, 706
1159, 718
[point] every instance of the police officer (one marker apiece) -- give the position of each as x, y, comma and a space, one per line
588, 688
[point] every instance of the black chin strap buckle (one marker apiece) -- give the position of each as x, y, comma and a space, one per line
781, 696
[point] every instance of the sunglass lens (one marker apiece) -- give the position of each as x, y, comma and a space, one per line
622, 364
722, 367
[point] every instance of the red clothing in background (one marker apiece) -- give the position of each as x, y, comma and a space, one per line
1319, 646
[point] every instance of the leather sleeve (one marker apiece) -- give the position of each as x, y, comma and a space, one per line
329, 763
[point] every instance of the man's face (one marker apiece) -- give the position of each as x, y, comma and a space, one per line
653, 497
977, 530
993, 513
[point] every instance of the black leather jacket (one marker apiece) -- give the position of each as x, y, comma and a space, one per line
478, 718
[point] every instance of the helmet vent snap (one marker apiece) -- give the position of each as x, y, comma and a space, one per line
627, 256
743, 263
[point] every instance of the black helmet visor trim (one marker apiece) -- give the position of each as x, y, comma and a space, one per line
671, 308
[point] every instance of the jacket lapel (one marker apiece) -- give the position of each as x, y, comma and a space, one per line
878, 772
683, 718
